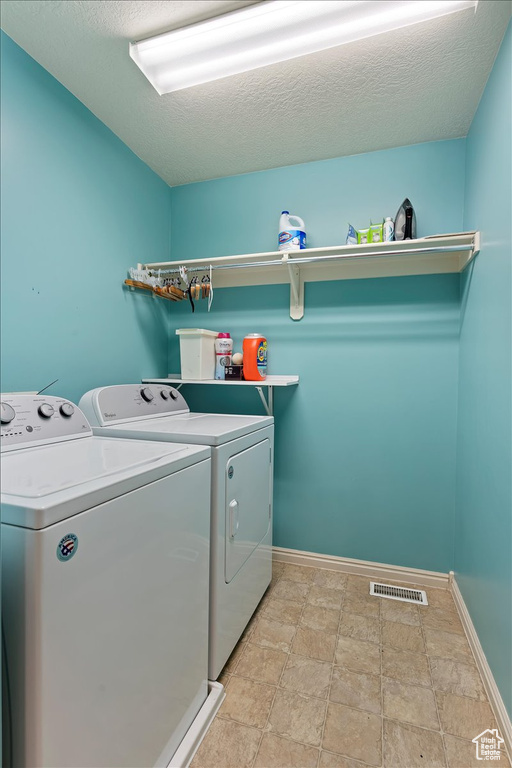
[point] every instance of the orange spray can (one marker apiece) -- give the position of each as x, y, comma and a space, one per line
255, 357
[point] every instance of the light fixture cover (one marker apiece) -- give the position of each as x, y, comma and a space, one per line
270, 32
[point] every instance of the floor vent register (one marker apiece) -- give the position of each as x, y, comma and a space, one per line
417, 596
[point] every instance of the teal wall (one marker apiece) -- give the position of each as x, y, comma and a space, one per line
365, 445
483, 530
78, 207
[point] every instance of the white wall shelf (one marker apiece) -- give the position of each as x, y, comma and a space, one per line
269, 384
439, 254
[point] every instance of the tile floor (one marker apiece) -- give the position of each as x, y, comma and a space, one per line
326, 676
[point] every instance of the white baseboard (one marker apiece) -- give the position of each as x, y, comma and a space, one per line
199, 728
492, 690
362, 567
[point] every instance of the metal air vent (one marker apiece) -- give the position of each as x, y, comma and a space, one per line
417, 596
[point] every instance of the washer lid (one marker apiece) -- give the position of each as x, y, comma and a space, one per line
198, 428
48, 483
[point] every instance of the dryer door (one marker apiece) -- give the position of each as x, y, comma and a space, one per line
248, 489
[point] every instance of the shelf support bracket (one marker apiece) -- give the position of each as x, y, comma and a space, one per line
296, 289
268, 405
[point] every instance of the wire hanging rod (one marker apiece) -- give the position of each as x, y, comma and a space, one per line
309, 259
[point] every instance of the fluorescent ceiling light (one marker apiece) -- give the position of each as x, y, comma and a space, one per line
270, 32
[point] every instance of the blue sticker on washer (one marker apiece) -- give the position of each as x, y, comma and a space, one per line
67, 547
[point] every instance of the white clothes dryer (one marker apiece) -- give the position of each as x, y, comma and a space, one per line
241, 506
105, 589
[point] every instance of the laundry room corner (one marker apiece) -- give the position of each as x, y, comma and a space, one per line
256, 376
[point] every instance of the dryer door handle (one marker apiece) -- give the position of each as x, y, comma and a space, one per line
234, 521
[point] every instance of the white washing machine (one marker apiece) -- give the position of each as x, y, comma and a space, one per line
105, 590
241, 523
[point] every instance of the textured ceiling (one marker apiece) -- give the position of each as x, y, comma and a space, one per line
417, 84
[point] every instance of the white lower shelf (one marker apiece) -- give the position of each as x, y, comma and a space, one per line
269, 383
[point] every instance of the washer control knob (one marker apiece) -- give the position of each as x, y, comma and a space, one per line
147, 394
46, 410
66, 409
174, 394
165, 394
7, 414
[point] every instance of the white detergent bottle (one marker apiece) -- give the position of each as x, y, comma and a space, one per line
292, 235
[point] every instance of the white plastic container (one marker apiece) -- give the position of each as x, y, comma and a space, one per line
197, 353
292, 233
